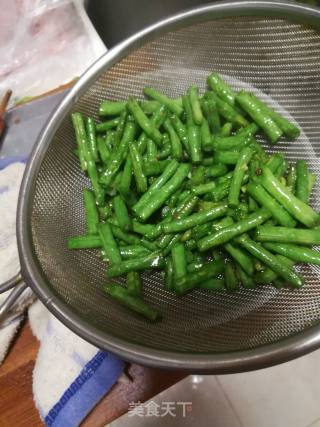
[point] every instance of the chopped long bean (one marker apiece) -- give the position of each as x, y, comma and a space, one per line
298, 209
177, 183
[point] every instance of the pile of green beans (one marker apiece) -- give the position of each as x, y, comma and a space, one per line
183, 186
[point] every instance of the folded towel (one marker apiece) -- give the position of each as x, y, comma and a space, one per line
70, 375
10, 179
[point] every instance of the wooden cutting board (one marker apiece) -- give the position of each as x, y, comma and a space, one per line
17, 407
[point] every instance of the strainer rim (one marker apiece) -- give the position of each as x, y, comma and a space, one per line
225, 362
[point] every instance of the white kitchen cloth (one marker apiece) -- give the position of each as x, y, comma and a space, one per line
70, 375
10, 179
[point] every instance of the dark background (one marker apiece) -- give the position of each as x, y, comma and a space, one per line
117, 19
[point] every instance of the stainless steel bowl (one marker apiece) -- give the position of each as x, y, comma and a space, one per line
274, 48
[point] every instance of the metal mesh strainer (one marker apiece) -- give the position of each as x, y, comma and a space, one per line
273, 47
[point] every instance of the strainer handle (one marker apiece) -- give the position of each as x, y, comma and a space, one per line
11, 283
19, 286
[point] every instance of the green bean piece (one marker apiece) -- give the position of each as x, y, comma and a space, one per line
124, 118
122, 215
259, 115
226, 130
241, 257
112, 108
238, 141
133, 251
265, 200
193, 93
94, 178
191, 244
222, 89
298, 209
229, 112
282, 169
171, 104
169, 275
144, 229
196, 265
144, 122
158, 198
109, 244
195, 219
125, 181
91, 136
211, 113
296, 253
181, 131
258, 251
220, 192
134, 284
152, 150
132, 302
240, 212
81, 138
156, 167
204, 188
109, 139
302, 236
254, 168
105, 211
176, 147
312, 178
302, 182
153, 260
131, 239
215, 171
237, 179
275, 161
221, 223
206, 138
157, 121
245, 279
184, 195
292, 179
169, 171
137, 167
261, 154
166, 150
118, 154
231, 280
268, 275
191, 280
103, 150
212, 285
89, 241
197, 176
105, 126
92, 215
182, 211
226, 234
178, 254
258, 266
288, 128
186, 235
150, 106
193, 132
253, 206
174, 199
226, 157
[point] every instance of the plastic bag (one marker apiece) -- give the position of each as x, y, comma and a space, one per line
43, 44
